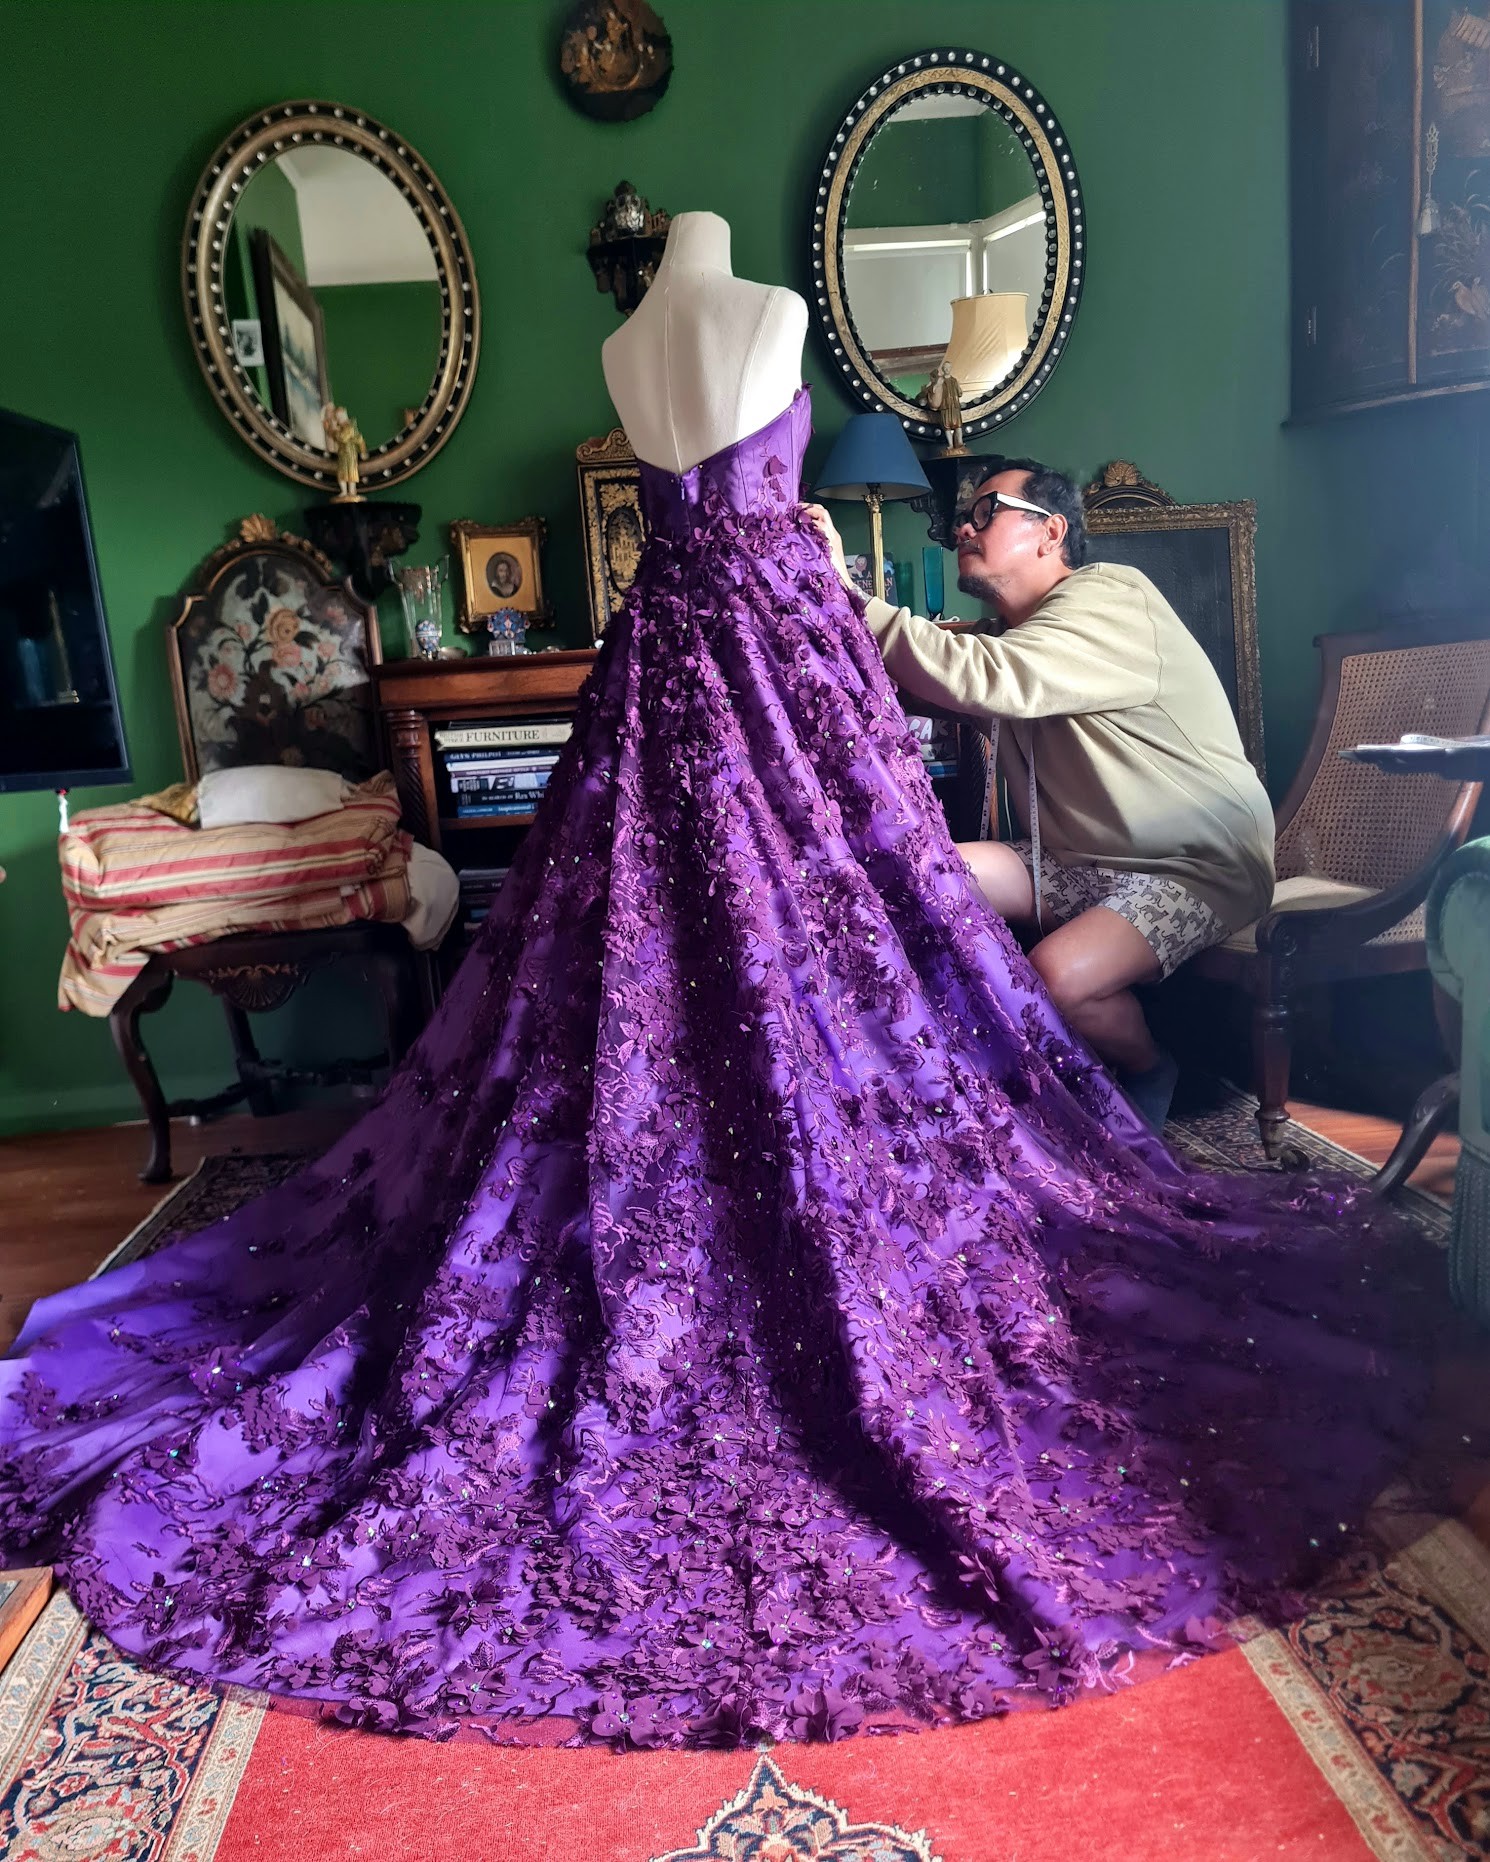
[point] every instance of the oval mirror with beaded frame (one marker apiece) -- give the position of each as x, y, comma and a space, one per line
255, 142
952, 72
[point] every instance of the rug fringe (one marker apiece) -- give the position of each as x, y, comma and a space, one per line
175, 1190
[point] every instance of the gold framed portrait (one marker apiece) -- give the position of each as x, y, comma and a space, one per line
501, 566
610, 504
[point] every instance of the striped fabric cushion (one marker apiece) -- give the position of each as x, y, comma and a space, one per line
135, 881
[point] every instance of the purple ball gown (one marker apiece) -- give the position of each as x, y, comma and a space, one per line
748, 1310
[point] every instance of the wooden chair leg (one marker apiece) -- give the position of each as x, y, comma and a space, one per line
1272, 1045
399, 987
146, 994
247, 1057
1436, 1107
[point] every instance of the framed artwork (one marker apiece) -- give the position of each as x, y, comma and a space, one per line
501, 567
610, 504
294, 341
1201, 559
271, 661
861, 574
23, 1595
616, 58
1390, 140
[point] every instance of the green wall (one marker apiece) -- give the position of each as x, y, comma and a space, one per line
919, 174
382, 345
1176, 112
946, 170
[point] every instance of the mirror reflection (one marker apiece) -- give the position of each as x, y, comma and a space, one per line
944, 248
332, 294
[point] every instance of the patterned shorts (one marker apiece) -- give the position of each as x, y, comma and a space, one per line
1175, 923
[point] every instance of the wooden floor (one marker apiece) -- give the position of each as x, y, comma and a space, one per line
69, 1197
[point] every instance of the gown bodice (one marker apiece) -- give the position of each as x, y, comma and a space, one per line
758, 475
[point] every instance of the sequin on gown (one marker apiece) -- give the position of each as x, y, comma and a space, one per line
749, 1310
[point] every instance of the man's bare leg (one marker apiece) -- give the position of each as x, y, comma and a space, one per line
1003, 878
1090, 966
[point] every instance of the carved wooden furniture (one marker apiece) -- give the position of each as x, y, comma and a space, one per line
272, 661
415, 697
1390, 124
615, 526
1356, 849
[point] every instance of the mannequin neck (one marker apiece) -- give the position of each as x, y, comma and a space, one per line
697, 242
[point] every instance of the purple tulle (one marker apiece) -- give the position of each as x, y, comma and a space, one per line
749, 1310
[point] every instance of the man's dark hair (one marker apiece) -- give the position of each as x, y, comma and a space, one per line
1045, 486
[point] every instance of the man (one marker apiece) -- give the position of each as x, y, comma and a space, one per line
1149, 830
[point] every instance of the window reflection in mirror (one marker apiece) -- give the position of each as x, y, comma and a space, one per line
332, 294
944, 246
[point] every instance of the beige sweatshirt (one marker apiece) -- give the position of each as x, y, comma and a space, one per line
1138, 761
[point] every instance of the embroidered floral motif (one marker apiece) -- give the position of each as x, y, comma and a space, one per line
780, 1822
748, 1311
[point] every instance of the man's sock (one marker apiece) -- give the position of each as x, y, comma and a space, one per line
1150, 1092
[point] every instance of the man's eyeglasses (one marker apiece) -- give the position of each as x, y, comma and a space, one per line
983, 511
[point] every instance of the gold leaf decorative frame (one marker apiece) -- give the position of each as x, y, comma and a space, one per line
475, 545
1122, 505
306, 123
615, 529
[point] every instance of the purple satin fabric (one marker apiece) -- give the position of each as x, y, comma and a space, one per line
748, 1311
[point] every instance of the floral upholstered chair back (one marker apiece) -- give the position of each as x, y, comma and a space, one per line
271, 660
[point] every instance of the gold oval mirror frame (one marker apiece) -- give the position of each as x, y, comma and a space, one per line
280, 131
952, 74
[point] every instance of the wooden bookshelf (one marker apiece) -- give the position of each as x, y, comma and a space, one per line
417, 697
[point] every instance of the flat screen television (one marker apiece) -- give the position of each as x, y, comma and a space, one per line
60, 724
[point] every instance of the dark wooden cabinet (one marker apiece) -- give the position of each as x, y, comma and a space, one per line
1390, 174
416, 697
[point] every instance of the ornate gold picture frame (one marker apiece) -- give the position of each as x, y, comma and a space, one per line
612, 521
1201, 558
501, 566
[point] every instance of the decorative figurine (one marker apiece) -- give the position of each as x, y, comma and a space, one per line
943, 395
616, 58
626, 244
508, 628
344, 439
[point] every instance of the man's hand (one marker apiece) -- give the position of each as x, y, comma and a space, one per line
820, 520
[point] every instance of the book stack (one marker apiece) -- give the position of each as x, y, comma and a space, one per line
500, 769
479, 886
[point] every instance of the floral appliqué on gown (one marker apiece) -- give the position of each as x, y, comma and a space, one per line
748, 1311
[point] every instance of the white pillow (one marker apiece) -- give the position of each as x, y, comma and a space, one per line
265, 792
435, 889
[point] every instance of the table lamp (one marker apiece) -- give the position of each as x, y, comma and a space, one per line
872, 459
989, 334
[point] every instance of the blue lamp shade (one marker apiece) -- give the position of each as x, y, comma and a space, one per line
872, 452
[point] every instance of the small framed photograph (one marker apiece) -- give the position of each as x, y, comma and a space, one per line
861, 574
248, 342
610, 504
501, 567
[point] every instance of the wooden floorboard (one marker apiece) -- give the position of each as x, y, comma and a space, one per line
67, 1198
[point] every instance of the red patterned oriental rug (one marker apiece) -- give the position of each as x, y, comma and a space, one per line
1361, 1731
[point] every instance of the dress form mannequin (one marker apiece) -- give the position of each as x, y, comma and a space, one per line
706, 358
